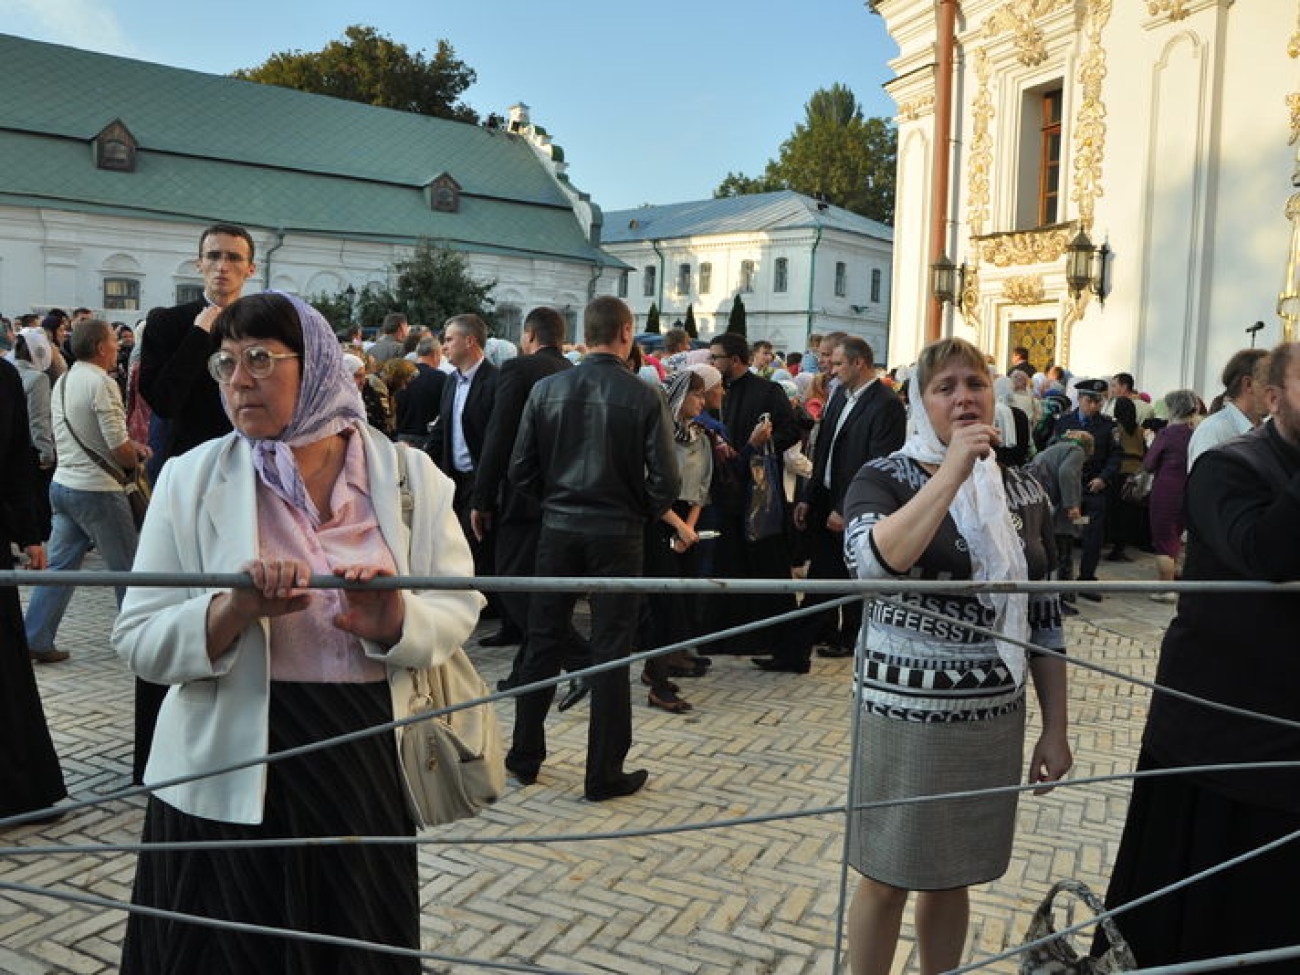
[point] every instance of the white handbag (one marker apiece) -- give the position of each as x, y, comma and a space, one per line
453, 762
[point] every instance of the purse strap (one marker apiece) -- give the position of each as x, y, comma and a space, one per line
112, 470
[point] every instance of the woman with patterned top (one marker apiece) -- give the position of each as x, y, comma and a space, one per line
944, 707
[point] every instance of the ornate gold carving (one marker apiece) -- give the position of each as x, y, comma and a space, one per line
970, 296
1293, 45
1090, 122
912, 110
1029, 247
1293, 103
1018, 17
1023, 289
1176, 9
981, 149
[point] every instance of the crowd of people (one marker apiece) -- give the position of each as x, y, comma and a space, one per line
283, 446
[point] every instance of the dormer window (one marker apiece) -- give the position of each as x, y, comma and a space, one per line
115, 148
444, 193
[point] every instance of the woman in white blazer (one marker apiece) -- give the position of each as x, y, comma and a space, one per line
302, 486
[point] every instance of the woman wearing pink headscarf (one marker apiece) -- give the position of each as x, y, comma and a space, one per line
301, 486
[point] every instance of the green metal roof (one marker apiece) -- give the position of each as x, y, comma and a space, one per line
212, 147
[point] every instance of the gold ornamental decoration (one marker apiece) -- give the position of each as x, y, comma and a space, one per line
1027, 247
970, 296
1019, 18
914, 108
981, 148
1293, 104
1024, 289
1176, 9
1090, 123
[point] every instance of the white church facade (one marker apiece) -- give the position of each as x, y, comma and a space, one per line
1157, 133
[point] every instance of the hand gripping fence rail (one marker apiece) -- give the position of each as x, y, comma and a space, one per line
845, 591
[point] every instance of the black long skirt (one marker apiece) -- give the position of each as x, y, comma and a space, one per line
30, 777
369, 893
1175, 828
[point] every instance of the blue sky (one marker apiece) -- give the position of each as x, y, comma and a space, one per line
653, 103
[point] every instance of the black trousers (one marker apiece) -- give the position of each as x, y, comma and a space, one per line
516, 555
838, 628
550, 621
737, 558
484, 552
1094, 532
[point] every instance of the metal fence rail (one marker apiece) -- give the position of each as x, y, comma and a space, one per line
847, 591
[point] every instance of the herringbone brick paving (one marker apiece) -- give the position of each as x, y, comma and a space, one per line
753, 899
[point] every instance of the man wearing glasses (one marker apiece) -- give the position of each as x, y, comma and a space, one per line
176, 383
177, 342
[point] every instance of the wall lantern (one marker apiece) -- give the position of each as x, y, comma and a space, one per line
1087, 268
947, 280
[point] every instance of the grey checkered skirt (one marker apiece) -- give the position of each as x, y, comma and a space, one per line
938, 845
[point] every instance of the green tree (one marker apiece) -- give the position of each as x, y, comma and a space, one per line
434, 283
738, 184
337, 309
835, 154
373, 303
689, 325
366, 66
652, 319
736, 318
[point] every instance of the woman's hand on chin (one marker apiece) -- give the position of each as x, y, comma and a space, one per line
371, 614
278, 588
969, 443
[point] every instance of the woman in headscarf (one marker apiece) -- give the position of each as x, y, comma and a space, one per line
943, 708
301, 486
672, 546
32, 355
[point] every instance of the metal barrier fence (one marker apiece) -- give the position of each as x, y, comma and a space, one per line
846, 591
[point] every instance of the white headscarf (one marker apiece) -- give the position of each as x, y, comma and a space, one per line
38, 348
983, 517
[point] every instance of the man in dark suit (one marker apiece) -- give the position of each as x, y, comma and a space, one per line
864, 420
177, 342
755, 411
1099, 470
457, 441
515, 517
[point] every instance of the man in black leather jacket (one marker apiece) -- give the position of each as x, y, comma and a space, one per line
595, 445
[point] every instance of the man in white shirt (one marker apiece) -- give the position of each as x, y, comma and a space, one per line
88, 500
1243, 406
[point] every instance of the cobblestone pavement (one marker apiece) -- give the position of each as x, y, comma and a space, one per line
753, 899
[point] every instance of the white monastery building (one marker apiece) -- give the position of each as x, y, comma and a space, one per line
110, 168
1156, 137
800, 266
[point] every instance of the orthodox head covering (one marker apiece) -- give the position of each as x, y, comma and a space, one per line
328, 403
38, 347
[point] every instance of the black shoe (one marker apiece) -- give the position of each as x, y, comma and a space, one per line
506, 683
504, 637
1092, 597
626, 785
524, 776
1068, 610
834, 653
578, 689
777, 666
